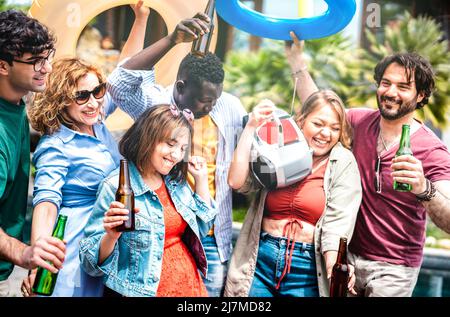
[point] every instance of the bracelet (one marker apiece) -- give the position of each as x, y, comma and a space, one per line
300, 70
428, 194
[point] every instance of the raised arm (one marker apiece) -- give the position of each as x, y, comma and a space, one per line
185, 31
239, 168
294, 54
135, 41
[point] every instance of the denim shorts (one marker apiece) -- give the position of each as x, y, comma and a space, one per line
300, 282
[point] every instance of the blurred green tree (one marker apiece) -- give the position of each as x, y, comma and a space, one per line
423, 36
265, 74
336, 64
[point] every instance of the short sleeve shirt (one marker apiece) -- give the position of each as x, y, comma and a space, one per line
391, 224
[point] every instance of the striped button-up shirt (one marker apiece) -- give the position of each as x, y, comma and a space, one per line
129, 88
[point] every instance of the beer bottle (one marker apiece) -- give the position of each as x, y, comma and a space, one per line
340, 273
45, 281
201, 45
125, 195
403, 149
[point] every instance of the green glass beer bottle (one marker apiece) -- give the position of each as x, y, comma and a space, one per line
45, 281
403, 149
200, 46
340, 273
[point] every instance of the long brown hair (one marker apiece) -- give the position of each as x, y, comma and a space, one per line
48, 111
328, 97
157, 124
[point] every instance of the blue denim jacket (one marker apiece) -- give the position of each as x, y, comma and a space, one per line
134, 266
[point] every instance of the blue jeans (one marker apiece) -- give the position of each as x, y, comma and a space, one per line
300, 282
217, 271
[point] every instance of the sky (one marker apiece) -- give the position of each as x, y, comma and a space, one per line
19, 2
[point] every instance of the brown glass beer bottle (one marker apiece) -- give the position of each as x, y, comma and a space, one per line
125, 195
340, 273
201, 45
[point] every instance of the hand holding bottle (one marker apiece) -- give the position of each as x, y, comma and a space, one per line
43, 250
351, 277
189, 29
114, 217
46, 252
408, 170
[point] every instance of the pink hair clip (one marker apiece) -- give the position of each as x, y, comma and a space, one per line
187, 113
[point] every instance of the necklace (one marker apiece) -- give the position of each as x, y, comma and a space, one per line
382, 141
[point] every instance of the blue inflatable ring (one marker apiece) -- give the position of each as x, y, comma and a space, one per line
337, 17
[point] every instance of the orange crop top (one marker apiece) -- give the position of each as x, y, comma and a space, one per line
304, 200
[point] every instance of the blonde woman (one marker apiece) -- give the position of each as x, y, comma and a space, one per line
289, 240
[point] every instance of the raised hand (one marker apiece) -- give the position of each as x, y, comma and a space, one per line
261, 113
140, 10
294, 53
189, 29
197, 168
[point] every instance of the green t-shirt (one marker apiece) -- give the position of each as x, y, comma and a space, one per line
14, 172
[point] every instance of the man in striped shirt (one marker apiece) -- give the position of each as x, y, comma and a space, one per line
218, 122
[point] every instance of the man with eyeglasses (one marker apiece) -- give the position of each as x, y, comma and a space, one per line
388, 241
26, 50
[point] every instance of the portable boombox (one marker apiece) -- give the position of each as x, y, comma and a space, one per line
280, 155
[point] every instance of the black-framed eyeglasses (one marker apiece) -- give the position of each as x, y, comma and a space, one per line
83, 96
378, 175
39, 62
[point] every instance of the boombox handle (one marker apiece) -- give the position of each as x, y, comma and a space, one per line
280, 130
279, 126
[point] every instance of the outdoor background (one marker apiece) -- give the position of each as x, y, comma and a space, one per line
256, 68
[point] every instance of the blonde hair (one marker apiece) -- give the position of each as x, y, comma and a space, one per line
330, 98
48, 111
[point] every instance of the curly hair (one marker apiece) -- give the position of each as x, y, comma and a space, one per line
330, 98
208, 68
48, 110
20, 34
157, 124
413, 64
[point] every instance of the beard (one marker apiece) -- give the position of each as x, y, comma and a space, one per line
402, 110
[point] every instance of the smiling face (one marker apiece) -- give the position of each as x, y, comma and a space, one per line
199, 98
396, 96
86, 115
322, 129
22, 78
169, 153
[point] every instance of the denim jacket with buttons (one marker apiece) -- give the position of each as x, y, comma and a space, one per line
134, 266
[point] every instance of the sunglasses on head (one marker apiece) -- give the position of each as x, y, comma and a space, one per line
377, 179
187, 113
83, 96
